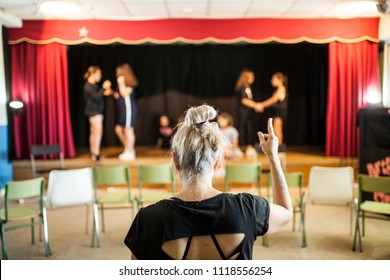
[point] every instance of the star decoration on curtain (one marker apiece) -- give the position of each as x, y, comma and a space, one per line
83, 32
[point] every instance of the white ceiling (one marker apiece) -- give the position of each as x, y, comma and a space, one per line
162, 9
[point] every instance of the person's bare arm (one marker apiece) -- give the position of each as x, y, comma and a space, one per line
281, 209
248, 103
235, 142
279, 95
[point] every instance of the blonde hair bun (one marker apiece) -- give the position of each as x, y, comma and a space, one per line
200, 115
198, 142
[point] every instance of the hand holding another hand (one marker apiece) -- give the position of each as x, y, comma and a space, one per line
107, 84
259, 108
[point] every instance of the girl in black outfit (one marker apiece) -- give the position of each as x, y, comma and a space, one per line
93, 95
278, 101
245, 109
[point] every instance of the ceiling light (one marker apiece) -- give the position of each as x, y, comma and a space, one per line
60, 9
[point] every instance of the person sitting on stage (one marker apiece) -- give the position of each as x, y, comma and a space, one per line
165, 132
225, 123
200, 222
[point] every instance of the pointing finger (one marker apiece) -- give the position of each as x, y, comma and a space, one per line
270, 127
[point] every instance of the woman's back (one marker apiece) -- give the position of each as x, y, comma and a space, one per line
200, 222
222, 227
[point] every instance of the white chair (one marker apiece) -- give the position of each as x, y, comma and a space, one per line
332, 185
67, 188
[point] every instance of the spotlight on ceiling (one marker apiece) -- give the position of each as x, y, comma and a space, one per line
382, 6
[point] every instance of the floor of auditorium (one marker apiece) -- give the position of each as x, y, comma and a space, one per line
327, 226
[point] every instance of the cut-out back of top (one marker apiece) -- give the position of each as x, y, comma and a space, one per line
221, 227
218, 246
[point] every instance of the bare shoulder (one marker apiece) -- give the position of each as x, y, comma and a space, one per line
281, 93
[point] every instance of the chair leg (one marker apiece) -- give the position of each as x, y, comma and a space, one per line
87, 220
132, 210
351, 220
303, 241
139, 204
96, 228
40, 232
3, 246
293, 228
102, 212
46, 233
300, 223
265, 241
360, 242
364, 224
32, 231
357, 235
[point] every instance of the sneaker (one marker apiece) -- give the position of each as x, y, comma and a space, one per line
127, 155
250, 152
238, 153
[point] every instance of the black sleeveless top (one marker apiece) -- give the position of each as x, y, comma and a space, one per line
281, 109
174, 219
94, 99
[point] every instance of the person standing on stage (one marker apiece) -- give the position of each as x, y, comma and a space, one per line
278, 101
245, 108
94, 97
127, 110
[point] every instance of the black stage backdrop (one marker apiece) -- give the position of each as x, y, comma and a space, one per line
174, 77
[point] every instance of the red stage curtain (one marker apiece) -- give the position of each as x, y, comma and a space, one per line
40, 80
353, 71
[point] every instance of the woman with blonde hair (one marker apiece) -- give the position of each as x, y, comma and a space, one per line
94, 98
200, 222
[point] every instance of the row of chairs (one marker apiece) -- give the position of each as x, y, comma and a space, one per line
330, 185
81, 186
75, 187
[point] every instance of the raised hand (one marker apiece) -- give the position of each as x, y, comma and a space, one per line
269, 142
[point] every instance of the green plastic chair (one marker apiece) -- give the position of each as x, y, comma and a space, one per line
154, 174
243, 173
112, 176
370, 209
29, 209
294, 180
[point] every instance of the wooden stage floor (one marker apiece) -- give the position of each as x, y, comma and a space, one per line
297, 159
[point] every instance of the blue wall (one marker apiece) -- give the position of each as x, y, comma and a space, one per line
5, 165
